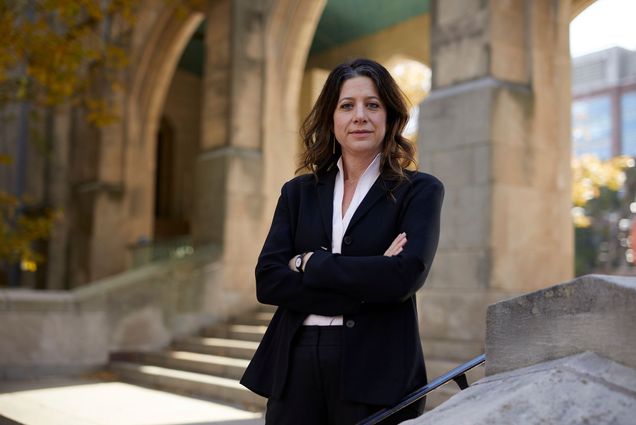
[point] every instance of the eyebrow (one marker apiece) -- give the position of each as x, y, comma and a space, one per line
366, 98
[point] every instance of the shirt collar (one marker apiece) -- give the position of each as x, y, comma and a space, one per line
373, 170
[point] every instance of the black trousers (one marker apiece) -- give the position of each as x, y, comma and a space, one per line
312, 391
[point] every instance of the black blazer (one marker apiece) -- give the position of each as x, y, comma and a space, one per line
382, 354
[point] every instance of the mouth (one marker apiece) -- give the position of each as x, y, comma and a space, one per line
360, 132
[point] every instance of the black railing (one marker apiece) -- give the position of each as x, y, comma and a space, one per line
458, 375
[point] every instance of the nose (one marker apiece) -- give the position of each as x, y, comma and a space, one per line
360, 114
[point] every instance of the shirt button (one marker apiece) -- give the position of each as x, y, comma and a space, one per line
350, 323
347, 240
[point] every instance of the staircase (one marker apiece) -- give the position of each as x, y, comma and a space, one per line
208, 366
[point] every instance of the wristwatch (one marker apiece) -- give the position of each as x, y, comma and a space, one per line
298, 262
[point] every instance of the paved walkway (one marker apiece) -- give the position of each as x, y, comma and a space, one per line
94, 402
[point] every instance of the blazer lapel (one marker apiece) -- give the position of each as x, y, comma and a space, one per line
325, 187
376, 193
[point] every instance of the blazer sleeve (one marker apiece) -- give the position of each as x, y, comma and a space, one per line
381, 279
276, 284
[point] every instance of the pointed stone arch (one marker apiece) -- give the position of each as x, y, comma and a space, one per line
156, 61
291, 29
128, 148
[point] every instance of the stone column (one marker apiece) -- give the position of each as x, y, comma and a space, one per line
496, 131
229, 167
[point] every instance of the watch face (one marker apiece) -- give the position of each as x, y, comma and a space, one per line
299, 262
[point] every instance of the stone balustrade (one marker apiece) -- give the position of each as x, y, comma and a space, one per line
66, 332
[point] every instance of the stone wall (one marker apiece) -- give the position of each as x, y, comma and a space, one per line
55, 332
496, 130
561, 355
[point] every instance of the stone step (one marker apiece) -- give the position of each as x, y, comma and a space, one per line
190, 383
226, 367
237, 332
217, 346
259, 318
266, 308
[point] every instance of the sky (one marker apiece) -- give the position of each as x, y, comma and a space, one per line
606, 23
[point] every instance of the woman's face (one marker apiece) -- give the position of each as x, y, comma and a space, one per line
359, 121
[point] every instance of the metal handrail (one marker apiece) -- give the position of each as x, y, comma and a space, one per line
458, 375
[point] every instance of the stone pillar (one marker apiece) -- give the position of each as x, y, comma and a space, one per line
496, 130
229, 167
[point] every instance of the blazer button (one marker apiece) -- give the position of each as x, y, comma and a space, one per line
347, 240
350, 323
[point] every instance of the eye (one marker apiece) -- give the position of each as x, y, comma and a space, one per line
373, 105
346, 106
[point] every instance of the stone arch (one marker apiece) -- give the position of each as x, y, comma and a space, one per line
158, 59
123, 210
290, 31
162, 36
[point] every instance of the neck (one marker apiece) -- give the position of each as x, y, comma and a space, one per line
354, 166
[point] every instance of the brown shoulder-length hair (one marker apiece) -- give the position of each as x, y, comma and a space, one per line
321, 150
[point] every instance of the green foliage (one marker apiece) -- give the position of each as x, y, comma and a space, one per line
60, 52
54, 50
19, 229
601, 245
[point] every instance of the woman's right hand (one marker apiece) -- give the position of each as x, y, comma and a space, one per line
396, 246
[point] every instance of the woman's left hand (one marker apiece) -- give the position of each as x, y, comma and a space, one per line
396, 246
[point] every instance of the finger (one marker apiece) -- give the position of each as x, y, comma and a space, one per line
397, 240
393, 252
399, 247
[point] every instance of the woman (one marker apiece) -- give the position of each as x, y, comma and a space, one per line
349, 245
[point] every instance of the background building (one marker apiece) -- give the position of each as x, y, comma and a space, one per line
604, 103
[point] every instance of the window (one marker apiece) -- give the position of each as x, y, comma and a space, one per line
592, 127
628, 123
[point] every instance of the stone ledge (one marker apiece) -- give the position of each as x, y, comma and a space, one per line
592, 313
581, 389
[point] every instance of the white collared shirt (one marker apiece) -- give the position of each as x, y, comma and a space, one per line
339, 223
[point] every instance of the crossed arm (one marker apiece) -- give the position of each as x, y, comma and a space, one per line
334, 284
394, 249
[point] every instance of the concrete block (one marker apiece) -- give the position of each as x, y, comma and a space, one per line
513, 110
581, 389
466, 218
459, 41
456, 116
52, 339
592, 313
141, 330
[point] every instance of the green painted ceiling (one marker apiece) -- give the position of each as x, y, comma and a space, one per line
194, 53
341, 21
346, 20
